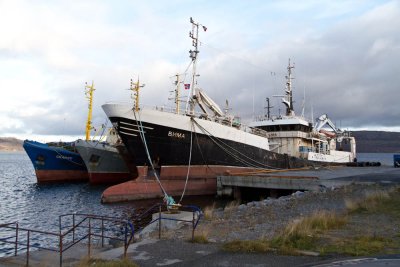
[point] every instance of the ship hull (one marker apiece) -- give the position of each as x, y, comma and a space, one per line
103, 162
176, 140
55, 164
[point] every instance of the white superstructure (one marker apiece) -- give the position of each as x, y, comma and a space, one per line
298, 137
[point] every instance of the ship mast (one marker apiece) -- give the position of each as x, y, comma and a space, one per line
177, 100
289, 97
194, 35
89, 95
268, 108
135, 89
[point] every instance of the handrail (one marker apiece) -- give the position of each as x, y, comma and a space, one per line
62, 236
88, 223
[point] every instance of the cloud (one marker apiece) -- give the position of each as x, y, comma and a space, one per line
345, 53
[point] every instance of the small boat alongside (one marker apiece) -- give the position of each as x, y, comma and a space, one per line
103, 161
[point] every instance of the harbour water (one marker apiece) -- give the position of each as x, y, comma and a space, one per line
38, 206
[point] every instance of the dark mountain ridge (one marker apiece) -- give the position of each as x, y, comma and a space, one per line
377, 141
367, 142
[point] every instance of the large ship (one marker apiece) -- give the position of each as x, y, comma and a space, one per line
56, 162
298, 137
190, 144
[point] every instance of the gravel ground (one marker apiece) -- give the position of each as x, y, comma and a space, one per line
264, 219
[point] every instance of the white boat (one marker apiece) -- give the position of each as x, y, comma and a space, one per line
298, 137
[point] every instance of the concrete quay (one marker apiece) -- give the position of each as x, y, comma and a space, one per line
308, 179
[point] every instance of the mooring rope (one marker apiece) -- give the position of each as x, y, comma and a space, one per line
141, 133
190, 158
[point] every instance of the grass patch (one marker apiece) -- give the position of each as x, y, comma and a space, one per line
387, 202
208, 212
107, 263
230, 208
301, 234
372, 202
361, 246
248, 246
200, 239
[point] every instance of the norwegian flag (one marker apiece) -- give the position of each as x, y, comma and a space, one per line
187, 86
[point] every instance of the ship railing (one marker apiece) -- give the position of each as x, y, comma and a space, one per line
256, 131
83, 227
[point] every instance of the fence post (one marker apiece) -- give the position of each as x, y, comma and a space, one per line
126, 240
61, 249
159, 222
27, 249
16, 240
59, 224
73, 228
193, 226
102, 231
90, 233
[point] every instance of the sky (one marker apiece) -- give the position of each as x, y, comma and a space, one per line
346, 56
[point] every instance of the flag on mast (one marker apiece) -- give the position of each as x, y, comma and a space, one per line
187, 86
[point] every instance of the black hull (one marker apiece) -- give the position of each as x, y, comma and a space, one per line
171, 147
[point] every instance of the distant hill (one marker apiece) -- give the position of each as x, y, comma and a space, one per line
377, 141
367, 142
10, 144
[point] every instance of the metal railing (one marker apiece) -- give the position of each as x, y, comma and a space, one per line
76, 227
84, 226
